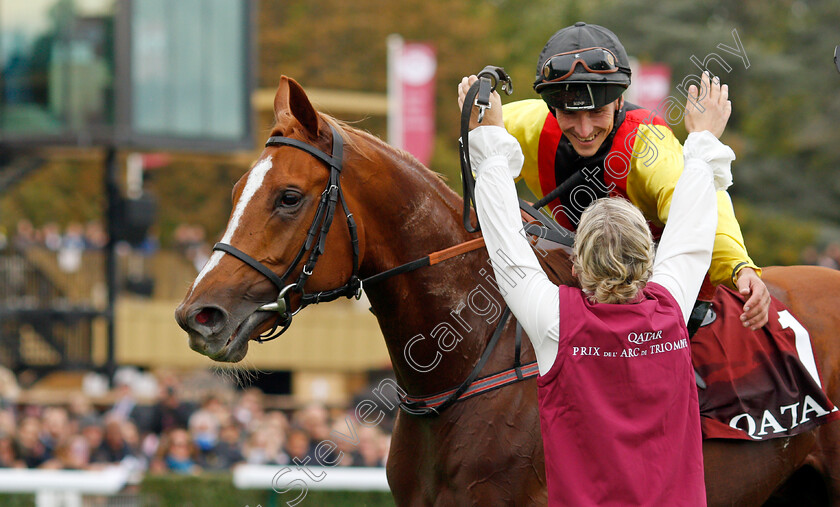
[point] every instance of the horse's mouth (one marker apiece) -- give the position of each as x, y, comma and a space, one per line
236, 347
252, 327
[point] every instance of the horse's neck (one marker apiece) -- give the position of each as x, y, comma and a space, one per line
432, 329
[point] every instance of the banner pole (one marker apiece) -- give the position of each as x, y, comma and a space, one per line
395, 99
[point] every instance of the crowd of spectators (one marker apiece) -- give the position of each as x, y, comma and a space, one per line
69, 244
71, 241
173, 435
828, 257
76, 235
191, 241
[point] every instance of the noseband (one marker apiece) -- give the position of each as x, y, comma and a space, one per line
314, 243
315, 240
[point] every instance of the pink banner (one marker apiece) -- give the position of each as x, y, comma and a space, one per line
416, 73
653, 83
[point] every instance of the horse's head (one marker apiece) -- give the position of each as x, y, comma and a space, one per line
279, 206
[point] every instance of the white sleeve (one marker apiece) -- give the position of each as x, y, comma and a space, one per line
534, 300
685, 249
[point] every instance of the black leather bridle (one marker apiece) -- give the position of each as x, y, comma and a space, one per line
314, 243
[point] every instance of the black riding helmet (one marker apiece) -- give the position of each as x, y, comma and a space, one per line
582, 67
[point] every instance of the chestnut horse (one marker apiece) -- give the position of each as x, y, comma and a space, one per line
485, 450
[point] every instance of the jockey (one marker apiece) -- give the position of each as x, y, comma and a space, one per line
583, 135
618, 404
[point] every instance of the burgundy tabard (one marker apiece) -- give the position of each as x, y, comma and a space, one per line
618, 409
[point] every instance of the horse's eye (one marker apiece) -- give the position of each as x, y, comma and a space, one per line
289, 199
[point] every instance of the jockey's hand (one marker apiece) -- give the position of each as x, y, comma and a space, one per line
711, 109
492, 115
758, 305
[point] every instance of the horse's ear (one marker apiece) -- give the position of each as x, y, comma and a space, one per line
292, 101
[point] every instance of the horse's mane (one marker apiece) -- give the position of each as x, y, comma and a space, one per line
345, 129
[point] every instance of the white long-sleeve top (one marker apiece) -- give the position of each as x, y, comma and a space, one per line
682, 257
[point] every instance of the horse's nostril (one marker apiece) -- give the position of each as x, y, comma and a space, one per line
204, 316
209, 318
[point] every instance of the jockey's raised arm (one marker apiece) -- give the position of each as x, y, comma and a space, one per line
582, 132
582, 337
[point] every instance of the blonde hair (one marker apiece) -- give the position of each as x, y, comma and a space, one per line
613, 251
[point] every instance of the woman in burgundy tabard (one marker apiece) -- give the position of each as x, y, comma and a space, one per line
617, 397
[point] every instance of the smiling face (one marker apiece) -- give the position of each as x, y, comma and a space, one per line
587, 130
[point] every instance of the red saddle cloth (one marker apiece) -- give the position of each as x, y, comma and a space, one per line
759, 384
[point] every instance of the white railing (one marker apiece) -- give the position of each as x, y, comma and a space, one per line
54, 488
280, 478
65, 488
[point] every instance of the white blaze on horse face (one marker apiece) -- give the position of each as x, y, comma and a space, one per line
255, 181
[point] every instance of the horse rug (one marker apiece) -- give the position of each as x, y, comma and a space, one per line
758, 384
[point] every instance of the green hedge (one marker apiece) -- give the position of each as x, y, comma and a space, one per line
24, 500
213, 490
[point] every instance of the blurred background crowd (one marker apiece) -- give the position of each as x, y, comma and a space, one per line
173, 433
190, 241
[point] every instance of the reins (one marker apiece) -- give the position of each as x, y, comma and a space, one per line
479, 94
315, 244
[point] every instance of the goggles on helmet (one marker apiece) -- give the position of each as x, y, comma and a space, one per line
595, 60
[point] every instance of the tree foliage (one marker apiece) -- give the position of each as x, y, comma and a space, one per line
785, 103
